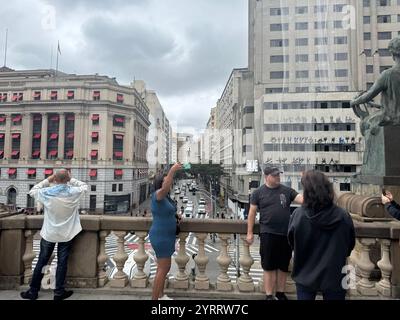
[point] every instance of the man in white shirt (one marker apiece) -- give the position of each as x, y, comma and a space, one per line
61, 224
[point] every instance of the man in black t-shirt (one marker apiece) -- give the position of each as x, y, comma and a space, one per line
273, 201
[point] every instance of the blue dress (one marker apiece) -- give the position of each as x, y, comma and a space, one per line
163, 228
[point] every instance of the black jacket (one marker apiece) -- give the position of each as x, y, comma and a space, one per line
321, 242
394, 209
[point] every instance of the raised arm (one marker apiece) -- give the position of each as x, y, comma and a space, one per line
79, 184
42, 184
168, 181
371, 93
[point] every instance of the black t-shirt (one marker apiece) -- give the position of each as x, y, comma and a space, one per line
274, 207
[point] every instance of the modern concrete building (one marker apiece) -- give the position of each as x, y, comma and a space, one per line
86, 123
158, 138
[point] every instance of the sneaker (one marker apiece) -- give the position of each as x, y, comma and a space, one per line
28, 295
281, 296
165, 297
66, 294
270, 297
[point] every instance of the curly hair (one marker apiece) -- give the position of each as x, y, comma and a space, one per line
394, 47
318, 190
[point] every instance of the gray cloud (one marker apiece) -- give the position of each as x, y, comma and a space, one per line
181, 48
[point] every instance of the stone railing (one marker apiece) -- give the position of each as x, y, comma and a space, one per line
376, 258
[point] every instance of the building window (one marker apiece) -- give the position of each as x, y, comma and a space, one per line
3, 97
17, 96
338, 24
384, 35
36, 95
367, 35
320, 9
383, 3
366, 3
92, 203
321, 41
284, 11
120, 187
384, 53
12, 173
48, 173
320, 25
95, 119
94, 155
302, 89
120, 98
338, 7
369, 69
341, 56
301, 10
53, 95
118, 145
301, 57
16, 119
118, 174
118, 121
114, 187
366, 19
93, 187
340, 73
279, 59
70, 95
340, 40
31, 173
279, 27
384, 19
321, 57
279, 42
321, 73
279, 74
93, 174
345, 187
302, 74
95, 137
96, 95
301, 42
301, 25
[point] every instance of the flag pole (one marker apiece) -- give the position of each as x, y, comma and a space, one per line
5, 50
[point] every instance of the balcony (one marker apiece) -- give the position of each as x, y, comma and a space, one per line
375, 259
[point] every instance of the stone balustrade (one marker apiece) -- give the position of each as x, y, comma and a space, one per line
375, 259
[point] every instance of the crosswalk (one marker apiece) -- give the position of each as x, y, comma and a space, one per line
256, 272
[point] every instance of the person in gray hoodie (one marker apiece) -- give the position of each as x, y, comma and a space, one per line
322, 237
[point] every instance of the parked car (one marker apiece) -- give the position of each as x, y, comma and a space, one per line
185, 199
202, 201
188, 212
201, 209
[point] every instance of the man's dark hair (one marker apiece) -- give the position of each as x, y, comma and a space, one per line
158, 181
318, 190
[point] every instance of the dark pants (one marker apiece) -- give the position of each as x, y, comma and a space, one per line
46, 249
304, 293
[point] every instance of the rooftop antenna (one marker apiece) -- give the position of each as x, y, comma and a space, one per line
5, 51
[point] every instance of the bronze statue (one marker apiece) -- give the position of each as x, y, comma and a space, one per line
388, 85
388, 113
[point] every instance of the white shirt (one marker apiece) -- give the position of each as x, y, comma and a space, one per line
61, 221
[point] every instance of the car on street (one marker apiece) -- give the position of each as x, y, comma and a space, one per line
185, 200
201, 209
188, 212
202, 201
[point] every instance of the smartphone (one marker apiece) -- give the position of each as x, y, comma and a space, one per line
384, 191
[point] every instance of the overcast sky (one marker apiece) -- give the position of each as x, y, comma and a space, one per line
183, 49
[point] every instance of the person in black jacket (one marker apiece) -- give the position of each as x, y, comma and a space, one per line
322, 237
391, 206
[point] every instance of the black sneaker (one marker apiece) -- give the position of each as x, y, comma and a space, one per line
281, 296
66, 294
29, 295
270, 297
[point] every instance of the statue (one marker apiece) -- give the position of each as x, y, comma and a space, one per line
388, 113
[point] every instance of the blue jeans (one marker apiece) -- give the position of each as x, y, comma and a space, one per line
46, 249
304, 293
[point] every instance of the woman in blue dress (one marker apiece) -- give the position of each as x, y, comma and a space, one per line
163, 229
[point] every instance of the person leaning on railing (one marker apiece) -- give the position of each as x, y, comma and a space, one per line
391, 206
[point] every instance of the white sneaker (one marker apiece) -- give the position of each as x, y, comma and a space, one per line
165, 297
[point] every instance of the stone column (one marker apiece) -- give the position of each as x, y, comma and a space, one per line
28, 256
182, 278
366, 287
101, 260
202, 282
245, 282
140, 279
43, 136
384, 286
223, 280
61, 136
120, 279
26, 136
7, 137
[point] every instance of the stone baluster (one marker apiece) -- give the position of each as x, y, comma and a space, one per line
120, 279
140, 279
28, 256
101, 260
182, 278
202, 282
366, 287
384, 286
245, 282
223, 281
